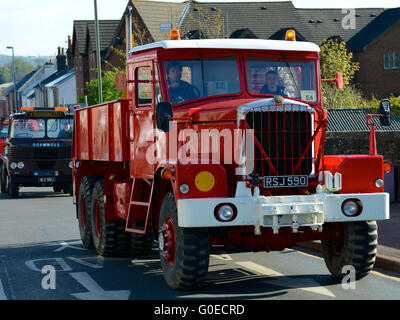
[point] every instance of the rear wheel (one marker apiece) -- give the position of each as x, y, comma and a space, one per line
184, 252
109, 237
83, 210
141, 244
355, 245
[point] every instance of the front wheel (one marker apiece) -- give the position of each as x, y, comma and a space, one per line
184, 252
355, 245
11, 187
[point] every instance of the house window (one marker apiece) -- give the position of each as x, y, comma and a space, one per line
386, 61
395, 60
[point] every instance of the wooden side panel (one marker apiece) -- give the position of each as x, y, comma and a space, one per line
100, 132
120, 141
82, 134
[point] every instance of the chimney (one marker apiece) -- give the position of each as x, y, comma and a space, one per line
61, 60
69, 42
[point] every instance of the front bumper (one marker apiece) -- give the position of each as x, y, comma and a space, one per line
282, 211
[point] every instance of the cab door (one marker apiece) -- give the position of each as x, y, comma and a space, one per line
142, 137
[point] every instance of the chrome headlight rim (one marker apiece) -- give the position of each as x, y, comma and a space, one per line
20, 165
13, 165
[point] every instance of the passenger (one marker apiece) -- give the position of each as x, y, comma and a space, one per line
65, 132
271, 85
179, 90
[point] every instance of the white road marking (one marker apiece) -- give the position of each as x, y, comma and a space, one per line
98, 265
2, 293
56, 261
95, 292
224, 256
303, 284
65, 245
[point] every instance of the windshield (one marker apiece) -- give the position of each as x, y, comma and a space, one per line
3, 132
42, 128
197, 78
289, 78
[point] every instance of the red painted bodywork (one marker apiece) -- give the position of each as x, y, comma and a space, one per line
111, 141
3, 140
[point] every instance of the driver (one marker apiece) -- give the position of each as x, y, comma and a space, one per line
65, 132
272, 84
19, 128
179, 90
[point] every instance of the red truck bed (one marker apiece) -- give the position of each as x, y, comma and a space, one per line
102, 132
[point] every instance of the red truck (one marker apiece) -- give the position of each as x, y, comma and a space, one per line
221, 142
3, 134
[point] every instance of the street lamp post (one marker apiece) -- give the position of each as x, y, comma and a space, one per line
98, 53
13, 72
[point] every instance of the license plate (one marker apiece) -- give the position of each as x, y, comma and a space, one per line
47, 179
285, 181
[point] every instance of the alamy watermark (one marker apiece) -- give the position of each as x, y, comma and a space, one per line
349, 280
349, 20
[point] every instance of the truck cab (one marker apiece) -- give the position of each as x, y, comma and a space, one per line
37, 150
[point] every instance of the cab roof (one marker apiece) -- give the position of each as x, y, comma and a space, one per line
245, 44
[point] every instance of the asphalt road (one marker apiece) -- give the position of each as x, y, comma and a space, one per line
42, 258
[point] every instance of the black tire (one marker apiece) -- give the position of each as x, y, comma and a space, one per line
141, 244
2, 181
186, 267
358, 248
11, 187
68, 189
83, 204
109, 237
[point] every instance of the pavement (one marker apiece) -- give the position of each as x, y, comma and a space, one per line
388, 255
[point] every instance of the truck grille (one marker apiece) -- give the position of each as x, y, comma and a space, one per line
24, 152
283, 138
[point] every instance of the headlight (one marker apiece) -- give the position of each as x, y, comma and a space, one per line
20, 165
352, 207
184, 188
379, 183
225, 212
70, 164
13, 165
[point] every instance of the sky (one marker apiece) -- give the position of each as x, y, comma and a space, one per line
38, 27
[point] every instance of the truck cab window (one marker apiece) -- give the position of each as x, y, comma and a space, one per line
144, 90
197, 78
289, 78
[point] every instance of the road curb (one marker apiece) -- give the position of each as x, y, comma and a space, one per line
383, 262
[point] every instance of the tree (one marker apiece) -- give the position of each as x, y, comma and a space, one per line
335, 58
110, 92
210, 24
22, 68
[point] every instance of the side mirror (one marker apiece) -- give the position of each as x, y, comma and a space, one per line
384, 109
163, 113
339, 80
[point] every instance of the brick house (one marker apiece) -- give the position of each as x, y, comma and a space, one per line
83, 49
146, 18
378, 47
372, 34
